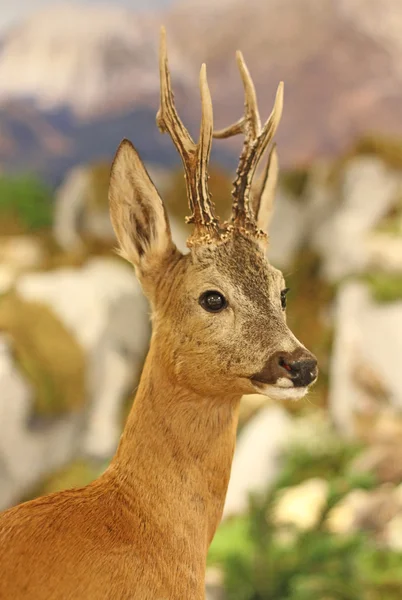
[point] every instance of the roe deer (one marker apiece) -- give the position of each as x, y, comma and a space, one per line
142, 529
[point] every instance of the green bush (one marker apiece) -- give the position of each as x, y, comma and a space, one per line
27, 200
263, 561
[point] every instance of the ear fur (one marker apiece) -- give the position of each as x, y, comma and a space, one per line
263, 202
136, 210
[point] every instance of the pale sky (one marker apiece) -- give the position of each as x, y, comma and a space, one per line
11, 11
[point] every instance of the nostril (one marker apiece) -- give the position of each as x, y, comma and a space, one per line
301, 372
284, 364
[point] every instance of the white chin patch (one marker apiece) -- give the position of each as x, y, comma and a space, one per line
282, 390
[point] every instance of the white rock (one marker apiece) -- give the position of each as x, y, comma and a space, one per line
343, 517
287, 229
301, 505
21, 252
393, 533
257, 457
103, 306
69, 204
369, 334
368, 191
7, 278
26, 456
385, 252
214, 588
73, 215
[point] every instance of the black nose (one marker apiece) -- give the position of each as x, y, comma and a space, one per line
302, 372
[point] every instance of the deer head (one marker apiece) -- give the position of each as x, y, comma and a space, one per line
219, 318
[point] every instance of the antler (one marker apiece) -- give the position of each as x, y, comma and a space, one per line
255, 144
195, 157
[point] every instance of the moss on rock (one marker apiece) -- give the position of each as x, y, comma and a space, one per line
47, 353
385, 287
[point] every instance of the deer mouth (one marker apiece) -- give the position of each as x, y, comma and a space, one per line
282, 389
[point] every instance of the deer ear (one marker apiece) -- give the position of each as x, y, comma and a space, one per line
263, 203
136, 210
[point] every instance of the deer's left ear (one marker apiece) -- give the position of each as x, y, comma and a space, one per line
136, 210
263, 201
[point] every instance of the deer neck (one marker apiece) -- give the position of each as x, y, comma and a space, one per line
176, 451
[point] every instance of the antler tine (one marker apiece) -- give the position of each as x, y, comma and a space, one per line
272, 123
194, 156
232, 130
206, 207
252, 116
255, 143
167, 118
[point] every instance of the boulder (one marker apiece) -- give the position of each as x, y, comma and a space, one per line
301, 505
82, 208
26, 454
367, 190
365, 357
393, 533
18, 254
384, 461
371, 511
214, 587
343, 517
103, 305
287, 229
256, 461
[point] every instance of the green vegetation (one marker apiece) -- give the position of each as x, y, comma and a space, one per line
264, 561
385, 287
25, 204
47, 353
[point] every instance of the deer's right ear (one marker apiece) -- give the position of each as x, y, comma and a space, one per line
136, 210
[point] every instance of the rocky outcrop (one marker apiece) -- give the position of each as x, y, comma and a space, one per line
264, 437
26, 454
103, 305
82, 207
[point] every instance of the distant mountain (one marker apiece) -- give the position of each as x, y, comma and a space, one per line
76, 79
50, 143
341, 61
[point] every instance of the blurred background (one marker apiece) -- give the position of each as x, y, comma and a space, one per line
314, 507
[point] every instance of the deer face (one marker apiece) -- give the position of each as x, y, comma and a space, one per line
223, 317
218, 311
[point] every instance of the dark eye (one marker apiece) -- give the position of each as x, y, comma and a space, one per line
283, 297
213, 301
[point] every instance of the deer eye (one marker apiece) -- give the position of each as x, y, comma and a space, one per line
283, 297
213, 301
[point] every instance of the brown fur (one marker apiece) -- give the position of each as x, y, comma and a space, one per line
142, 530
